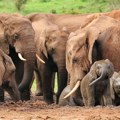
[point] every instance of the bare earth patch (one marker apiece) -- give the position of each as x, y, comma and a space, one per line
37, 109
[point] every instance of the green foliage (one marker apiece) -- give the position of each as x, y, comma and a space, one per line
58, 6
114, 4
19, 4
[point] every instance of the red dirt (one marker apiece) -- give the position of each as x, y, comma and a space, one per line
37, 109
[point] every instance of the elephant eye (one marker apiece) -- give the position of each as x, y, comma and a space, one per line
15, 36
75, 60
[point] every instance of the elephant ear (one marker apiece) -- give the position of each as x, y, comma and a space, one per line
92, 36
42, 40
93, 71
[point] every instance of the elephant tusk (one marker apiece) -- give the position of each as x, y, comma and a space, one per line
39, 59
21, 58
73, 90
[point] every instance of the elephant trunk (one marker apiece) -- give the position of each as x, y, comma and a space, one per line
62, 80
103, 73
28, 70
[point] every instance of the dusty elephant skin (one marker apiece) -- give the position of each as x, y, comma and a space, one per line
115, 88
20, 35
94, 42
50, 42
7, 77
95, 86
68, 101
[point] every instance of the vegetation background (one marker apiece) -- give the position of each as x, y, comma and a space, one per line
57, 6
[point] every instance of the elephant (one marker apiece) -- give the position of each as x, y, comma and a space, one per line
69, 101
19, 33
7, 77
50, 41
85, 46
95, 86
115, 88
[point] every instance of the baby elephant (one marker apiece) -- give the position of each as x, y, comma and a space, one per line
95, 86
115, 88
70, 100
7, 78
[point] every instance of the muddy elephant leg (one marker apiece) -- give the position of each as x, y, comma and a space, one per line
91, 96
107, 96
62, 81
12, 89
46, 76
85, 98
1, 94
38, 91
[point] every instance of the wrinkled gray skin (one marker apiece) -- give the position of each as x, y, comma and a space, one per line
95, 86
115, 88
50, 41
7, 77
68, 101
20, 36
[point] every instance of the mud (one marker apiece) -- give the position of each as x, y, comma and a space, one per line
37, 109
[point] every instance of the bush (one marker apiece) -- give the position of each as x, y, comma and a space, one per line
19, 4
114, 4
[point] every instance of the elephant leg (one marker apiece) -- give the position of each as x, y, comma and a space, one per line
107, 96
62, 81
12, 89
91, 96
1, 94
13, 94
84, 93
46, 76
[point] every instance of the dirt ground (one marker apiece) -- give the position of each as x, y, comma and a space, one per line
37, 109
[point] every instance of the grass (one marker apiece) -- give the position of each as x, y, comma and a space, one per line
56, 6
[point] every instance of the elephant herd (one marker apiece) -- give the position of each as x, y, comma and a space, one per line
84, 51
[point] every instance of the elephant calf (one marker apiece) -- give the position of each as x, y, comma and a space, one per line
7, 77
70, 100
115, 88
95, 86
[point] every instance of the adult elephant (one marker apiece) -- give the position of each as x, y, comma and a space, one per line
50, 42
20, 35
86, 46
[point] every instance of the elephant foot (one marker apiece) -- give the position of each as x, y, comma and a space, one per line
48, 99
38, 93
1, 94
25, 95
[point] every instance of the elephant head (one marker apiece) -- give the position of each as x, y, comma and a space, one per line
7, 67
100, 70
7, 77
115, 85
53, 41
20, 35
79, 55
